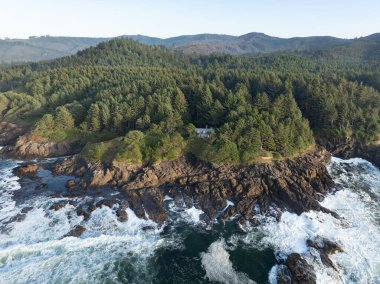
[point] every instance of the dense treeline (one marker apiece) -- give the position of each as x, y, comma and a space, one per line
259, 106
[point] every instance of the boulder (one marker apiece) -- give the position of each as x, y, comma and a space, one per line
76, 232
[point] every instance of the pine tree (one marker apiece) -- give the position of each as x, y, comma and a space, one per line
63, 118
93, 118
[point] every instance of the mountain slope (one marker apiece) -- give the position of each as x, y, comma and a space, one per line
45, 48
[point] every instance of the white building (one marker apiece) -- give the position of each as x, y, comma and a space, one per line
204, 132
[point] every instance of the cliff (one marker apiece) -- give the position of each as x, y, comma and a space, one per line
28, 146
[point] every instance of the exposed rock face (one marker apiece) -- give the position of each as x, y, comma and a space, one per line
9, 132
293, 185
27, 148
370, 152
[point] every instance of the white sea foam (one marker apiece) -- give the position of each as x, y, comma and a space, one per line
358, 233
35, 249
218, 266
194, 214
181, 213
8, 184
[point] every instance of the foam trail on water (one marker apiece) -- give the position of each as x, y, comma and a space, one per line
8, 184
218, 266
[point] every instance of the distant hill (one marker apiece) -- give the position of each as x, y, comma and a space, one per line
45, 48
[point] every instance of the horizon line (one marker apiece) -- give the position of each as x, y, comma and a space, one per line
181, 35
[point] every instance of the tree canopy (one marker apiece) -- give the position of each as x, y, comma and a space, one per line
148, 99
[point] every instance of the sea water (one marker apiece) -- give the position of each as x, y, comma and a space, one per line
34, 247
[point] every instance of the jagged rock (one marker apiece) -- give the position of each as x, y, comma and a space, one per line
292, 185
147, 203
27, 170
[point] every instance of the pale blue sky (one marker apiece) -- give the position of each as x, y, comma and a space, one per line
164, 18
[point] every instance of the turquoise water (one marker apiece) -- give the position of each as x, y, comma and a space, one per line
33, 248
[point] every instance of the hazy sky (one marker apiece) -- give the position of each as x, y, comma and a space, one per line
164, 18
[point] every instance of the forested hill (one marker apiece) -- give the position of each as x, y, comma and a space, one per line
136, 103
45, 48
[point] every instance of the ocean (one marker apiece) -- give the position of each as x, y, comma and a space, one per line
34, 247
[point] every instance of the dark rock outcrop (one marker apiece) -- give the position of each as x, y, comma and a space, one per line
294, 184
296, 271
30, 146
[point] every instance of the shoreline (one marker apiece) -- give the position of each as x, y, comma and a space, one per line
290, 185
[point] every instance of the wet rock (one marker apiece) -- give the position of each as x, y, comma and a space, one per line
16, 218
147, 203
82, 212
284, 275
121, 212
325, 248
325, 245
106, 202
60, 204
76, 232
299, 271
26, 210
148, 228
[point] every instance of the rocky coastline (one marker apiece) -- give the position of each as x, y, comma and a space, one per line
236, 193
350, 149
